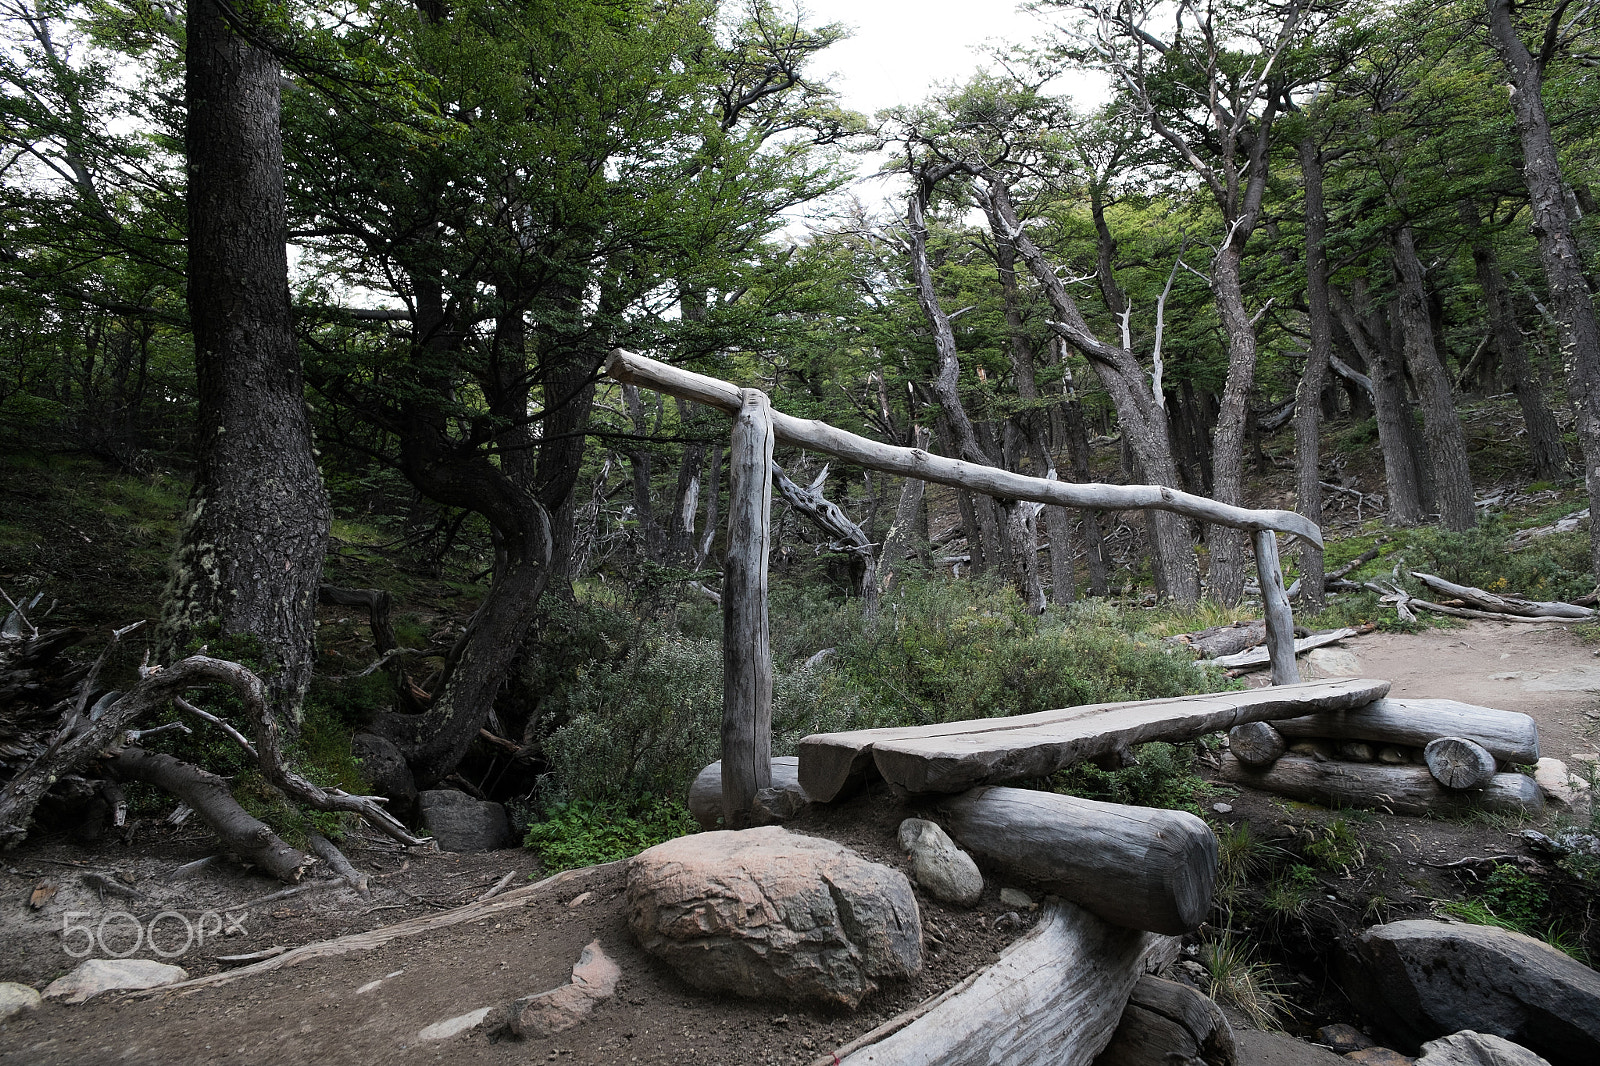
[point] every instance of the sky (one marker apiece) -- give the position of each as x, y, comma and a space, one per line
901, 48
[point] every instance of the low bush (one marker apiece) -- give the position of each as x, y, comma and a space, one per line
584, 834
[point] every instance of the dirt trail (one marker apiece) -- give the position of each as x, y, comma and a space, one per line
1541, 670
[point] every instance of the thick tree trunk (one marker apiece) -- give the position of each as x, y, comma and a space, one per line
1544, 435
250, 558
1307, 410
1447, 444
1401, 475
1067, 425
902, 540
1558, 251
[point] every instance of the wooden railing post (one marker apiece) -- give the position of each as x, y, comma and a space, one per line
746, 648
1275, 610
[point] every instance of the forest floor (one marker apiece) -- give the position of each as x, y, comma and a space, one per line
369, 1006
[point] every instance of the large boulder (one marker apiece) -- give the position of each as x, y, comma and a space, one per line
766, 913
1423, 980
945, 872
460, 823
1467, 1048
94, 976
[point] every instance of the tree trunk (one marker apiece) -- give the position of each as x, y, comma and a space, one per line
250, 558
902, 540
1558, 251
1447, 444
1225, 578
1067, 425
1021, 555
1401, 475
1544, 435
1142, 421
1307, 431
640, 464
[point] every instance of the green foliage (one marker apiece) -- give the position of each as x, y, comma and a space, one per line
1512, 898
1335, 846
583, 833
1162, 775
1550, 568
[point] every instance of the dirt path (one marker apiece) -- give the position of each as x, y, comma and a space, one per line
1541, 670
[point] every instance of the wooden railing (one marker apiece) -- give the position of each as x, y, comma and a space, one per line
747, 660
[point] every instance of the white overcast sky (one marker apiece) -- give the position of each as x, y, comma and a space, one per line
901, 49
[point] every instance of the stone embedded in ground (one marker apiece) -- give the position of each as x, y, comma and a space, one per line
94, 976
1422, 980
452, 1026
1015, 897
947, 873
1343, 1038
460, 823
1332, 662
1558, 783
594, 980
1393, 755
15, 998
1468, 1048
766, 913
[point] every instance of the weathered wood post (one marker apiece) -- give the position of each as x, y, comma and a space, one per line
746, 649
1275, 610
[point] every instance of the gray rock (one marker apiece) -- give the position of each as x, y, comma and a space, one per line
461, 1023
1343, 1038
1393, 755
1423, 980
15, 998
1015, 897
1468, 1048
766, 913
94, 976
594, 980
385, 767
944, 870
460, 823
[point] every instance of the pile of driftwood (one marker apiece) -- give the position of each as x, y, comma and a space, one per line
1467, 602
1407, 756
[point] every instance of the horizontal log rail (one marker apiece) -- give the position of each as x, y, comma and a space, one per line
635, 369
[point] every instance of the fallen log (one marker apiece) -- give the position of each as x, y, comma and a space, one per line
1511, 605
1132, 866
1260, 657
208, 794
1399, 789
1509, 736
956, 756
1054, 996
1224, 640
784, 796
1169, 1024
1458, 763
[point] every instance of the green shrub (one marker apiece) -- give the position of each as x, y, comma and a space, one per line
583, 834
1550, 568
1163, 776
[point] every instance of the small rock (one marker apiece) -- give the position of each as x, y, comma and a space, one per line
1379, 1056
383, 764
1391, 755
15, 998
1222, 808
1355, 750
1008, 920
452, 1026
1015, 897
1343, 1038
938, 865
1333, 662
1468, 1048
580, 899
1558, 785
460, 823
94, 976
594, 980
